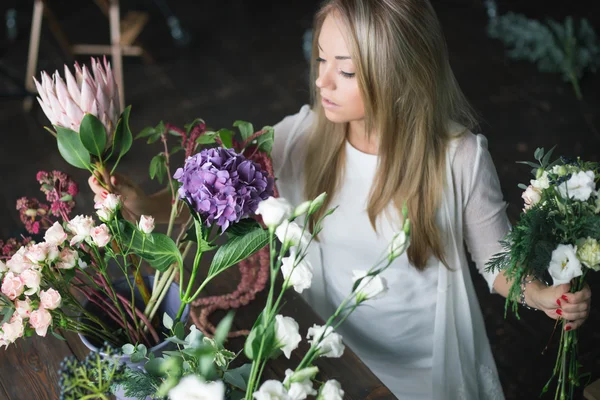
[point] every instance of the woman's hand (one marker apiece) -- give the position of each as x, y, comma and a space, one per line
134, 200
557, 302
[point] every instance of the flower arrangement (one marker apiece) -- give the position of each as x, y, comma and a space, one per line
70, 279
555, 239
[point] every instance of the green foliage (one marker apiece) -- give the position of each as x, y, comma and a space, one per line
138, 384
569, 48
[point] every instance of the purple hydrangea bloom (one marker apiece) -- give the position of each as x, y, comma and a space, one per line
223, 186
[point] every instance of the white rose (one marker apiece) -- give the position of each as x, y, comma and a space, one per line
37, 253
50, 299
100, 235
80, 226
331, 390
3, 267
191, 387
31, 278
12, 285
292, 234
287, 334
104, 215
579, 187
370, 287
588, 252
299, 276
112, 202
271, 390
532, 196
23, 308
564, 264
541, 183
274, 211
330, 345
13, 330
398, 245
18, 262
300, 387
146, 224
53, 253
67, 259
55, 235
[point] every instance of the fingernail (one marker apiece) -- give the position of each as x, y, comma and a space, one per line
558, 302
564, 297
95, 180
568, 328
559, 311
104, 193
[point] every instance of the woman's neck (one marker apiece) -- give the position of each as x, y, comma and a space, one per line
358, 138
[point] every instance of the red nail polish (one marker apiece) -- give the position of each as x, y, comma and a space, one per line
564, 297
568, 328
559, 311
558, 302
104, 194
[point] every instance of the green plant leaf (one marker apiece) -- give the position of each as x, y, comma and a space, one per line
71, 148
207, 138
265, 141
160, 253
223, 328
242, 227
137, 357
246, 128
128, 349
92, 134
155, 367
179, 330
167, 321
226, 137
238, 377
58, 336
147, 131
123, 137
237, 249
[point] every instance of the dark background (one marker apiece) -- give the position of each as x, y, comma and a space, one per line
245, 61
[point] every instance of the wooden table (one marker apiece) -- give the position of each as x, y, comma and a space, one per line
28, 371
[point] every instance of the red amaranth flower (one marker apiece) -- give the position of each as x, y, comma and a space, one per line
12, 245
33, 214
60, 190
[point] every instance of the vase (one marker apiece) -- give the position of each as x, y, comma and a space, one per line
170, 305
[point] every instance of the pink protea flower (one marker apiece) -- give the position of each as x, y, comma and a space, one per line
96, 93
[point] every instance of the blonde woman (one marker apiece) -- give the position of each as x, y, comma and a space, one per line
389, 124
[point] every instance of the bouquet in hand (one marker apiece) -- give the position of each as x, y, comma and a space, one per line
555, 241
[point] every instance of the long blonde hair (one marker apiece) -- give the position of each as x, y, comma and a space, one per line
410, 96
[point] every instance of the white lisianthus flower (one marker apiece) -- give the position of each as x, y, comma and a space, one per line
579, 187
531, 196
300, 384
541, 183
274, 211
80, 226
31, 278
330, 345
67, 259
559, 170
271, 390
302, 208
317, 203
292, 234
588, 252
597, 205
3, 267
331, 390
398, 246
104, 215
191, 387
146, 224
55, 235
564, 264
100, 235
287, 334
370, 287
299, 276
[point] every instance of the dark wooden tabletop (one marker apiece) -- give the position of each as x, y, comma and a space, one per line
28, 370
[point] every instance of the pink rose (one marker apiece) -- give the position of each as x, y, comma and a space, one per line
146, 224
50, 299
18, 262
37, 253
13, 330
67, 259
531, 196
80, 226
23, 308
12, 286
31, 278
55, 235
101, 235
40, 320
